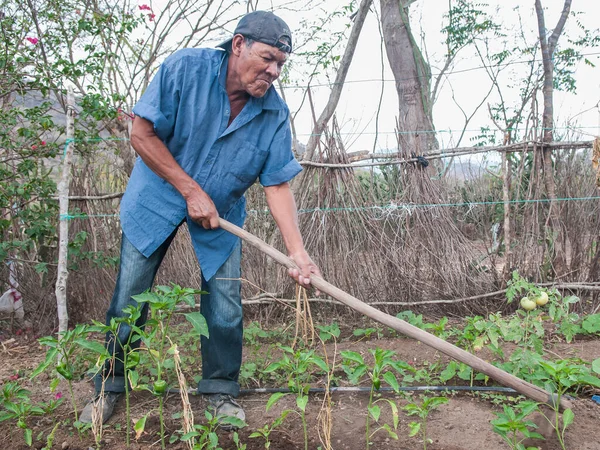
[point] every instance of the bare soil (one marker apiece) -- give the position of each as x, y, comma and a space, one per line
461, 424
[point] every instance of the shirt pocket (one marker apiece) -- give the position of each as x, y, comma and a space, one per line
246, 161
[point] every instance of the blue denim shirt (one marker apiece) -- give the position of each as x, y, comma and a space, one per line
188, 105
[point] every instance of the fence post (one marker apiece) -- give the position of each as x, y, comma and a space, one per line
63, 227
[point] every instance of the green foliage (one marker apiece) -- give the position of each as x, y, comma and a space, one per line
46, 49
297, 365
467, 21
512, 424
265, 431
423, 410
15, 404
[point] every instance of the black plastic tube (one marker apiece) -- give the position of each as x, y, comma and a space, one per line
497, 389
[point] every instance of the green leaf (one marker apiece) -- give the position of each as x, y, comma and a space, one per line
321, 364
415, 427
93, 346
375, 412
568, 418
591, 323
139, 426
198, 322
231, 420
391, 379
50, 357
590, 380
134, 377
302, 401
28, 437
353, 356
274, 399
187, 436
596, 365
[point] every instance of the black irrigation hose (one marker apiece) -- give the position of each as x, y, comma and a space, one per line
497, 389
384, 389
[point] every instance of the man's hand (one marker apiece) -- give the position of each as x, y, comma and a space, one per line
201, 209
306, 267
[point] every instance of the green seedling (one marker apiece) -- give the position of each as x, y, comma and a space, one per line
205, 437
355, 367
63, 351
297, 364
21, 411
422, 411
366, 333
512, 424
562, 376
265, 431
162, 305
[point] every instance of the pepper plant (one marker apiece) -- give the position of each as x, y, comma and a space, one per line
297, 365
162, 304
513, 427
63, 352
355, 367
423, 410
560, 377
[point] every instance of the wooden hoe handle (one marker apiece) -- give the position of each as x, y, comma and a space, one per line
505, 378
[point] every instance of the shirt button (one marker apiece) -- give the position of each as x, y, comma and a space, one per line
226, 111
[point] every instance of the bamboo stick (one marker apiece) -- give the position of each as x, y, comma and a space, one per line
521, 386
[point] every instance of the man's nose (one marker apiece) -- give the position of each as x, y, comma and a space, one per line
273, 69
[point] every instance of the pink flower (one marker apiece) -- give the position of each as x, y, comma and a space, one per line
32, 40
145, 8
58, 396
151, 17
43, 142
34, 147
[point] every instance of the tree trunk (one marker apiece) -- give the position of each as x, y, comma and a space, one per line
555, 239
412, 74
63, 229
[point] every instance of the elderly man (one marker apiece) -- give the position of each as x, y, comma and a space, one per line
208, 126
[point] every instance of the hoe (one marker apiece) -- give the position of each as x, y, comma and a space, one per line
521, 386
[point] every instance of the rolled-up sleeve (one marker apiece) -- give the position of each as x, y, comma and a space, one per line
159, 102
280, 166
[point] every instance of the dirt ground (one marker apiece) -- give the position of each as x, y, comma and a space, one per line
461, 424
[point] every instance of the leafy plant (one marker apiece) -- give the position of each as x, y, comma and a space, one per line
423, 410
512, 424
17, 405
63, 351
355, 367
205, 437
558, 378
265, 431
162, 304
297, 364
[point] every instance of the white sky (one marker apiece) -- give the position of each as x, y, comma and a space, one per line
358, 105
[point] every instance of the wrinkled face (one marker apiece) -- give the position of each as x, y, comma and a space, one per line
258, 67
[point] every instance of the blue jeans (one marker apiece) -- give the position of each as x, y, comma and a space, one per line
221, 307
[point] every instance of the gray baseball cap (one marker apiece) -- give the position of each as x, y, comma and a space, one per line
265, 27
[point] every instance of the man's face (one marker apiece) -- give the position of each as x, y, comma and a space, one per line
259, 66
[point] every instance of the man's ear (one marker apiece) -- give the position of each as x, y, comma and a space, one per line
237, 44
